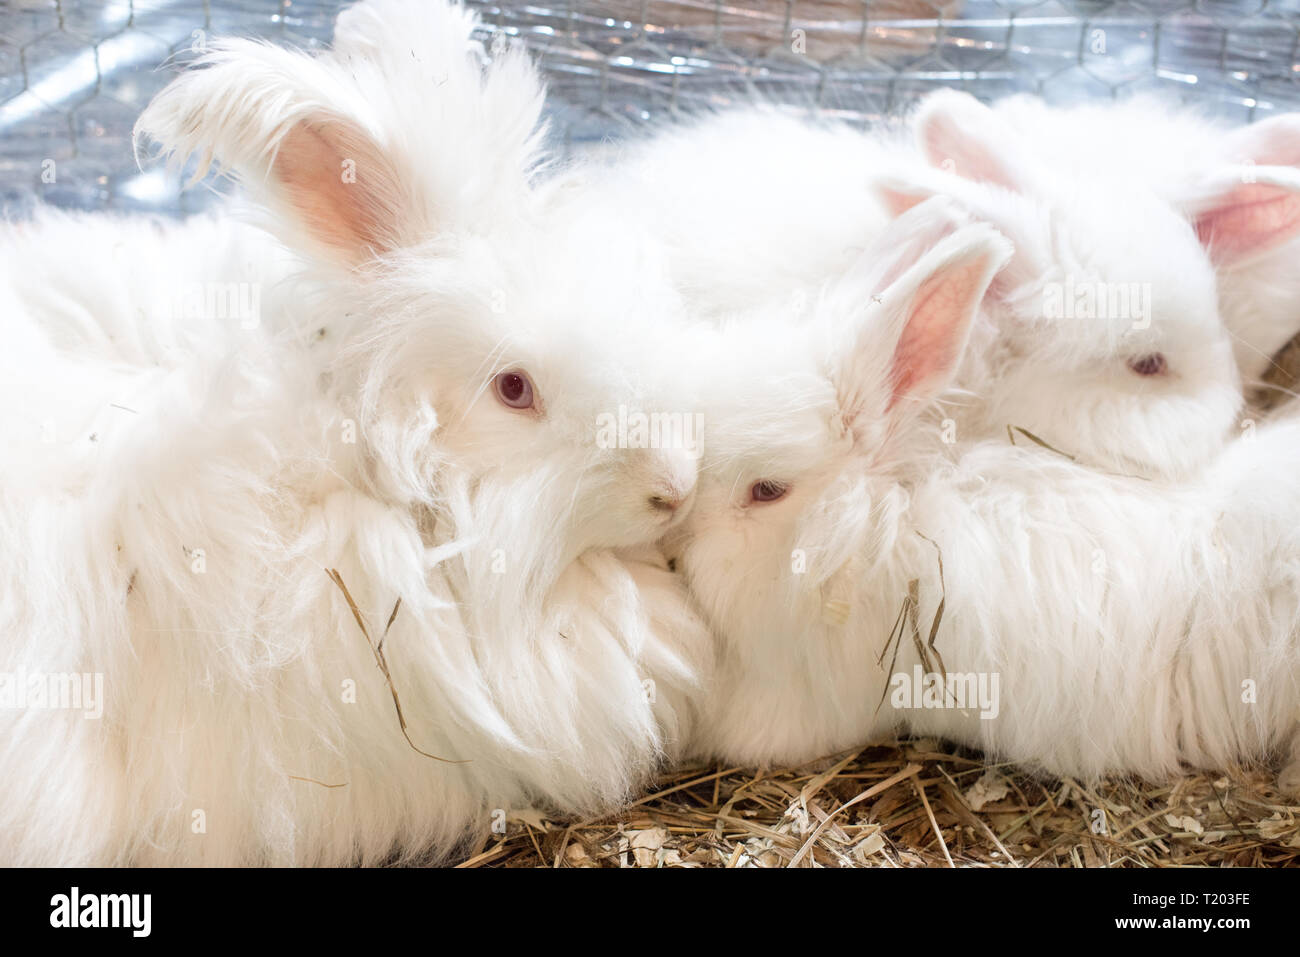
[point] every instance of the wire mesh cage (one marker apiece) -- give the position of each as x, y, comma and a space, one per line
74, 74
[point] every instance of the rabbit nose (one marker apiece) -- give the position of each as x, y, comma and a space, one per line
672, 480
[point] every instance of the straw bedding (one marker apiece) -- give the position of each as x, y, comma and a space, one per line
921, 803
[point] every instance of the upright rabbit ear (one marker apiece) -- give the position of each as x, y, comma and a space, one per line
399, 29
905, 194
902, 192
916, 231
960, 135
1252, 204
288, 127
358, 151
905, 343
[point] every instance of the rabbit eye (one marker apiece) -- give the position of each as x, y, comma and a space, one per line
767, 491
514, 389
1153, 364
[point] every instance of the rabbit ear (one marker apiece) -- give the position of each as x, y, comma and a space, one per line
1252, 202
286, 125
906, 342
1271, 142
1247, 210
920, 227
905, 193
960, 135
358, 152
900, 193
401, 30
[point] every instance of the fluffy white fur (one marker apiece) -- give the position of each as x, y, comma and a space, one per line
174, 489
1238, 185
178, 489
1123, 616
757, 208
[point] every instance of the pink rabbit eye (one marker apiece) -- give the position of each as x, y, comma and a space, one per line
767, 491
514, 389
1154, 364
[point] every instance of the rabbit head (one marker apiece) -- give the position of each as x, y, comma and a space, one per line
1244, 201
813, 428
1102, 336
1236, 185
482, 342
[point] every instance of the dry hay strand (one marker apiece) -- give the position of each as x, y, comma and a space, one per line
919, 803
381, 662
1281, 380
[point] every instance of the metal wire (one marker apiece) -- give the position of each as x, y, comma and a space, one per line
74, 73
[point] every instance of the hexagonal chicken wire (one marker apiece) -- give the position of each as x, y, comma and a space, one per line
74, 73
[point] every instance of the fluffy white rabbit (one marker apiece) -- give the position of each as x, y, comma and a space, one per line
1239, 186
262, 551
756, 207
752, 205
1138, 374
1129, 625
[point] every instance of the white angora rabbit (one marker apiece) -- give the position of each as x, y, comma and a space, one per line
1101, 336
362, 575
1238, 186
1090, 622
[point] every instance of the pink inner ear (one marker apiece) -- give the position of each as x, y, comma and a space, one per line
931, 344
898, 201
338, 185
910, 238
1271, 142
951, 146
1250, 219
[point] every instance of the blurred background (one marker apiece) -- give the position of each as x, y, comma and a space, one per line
75, 73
